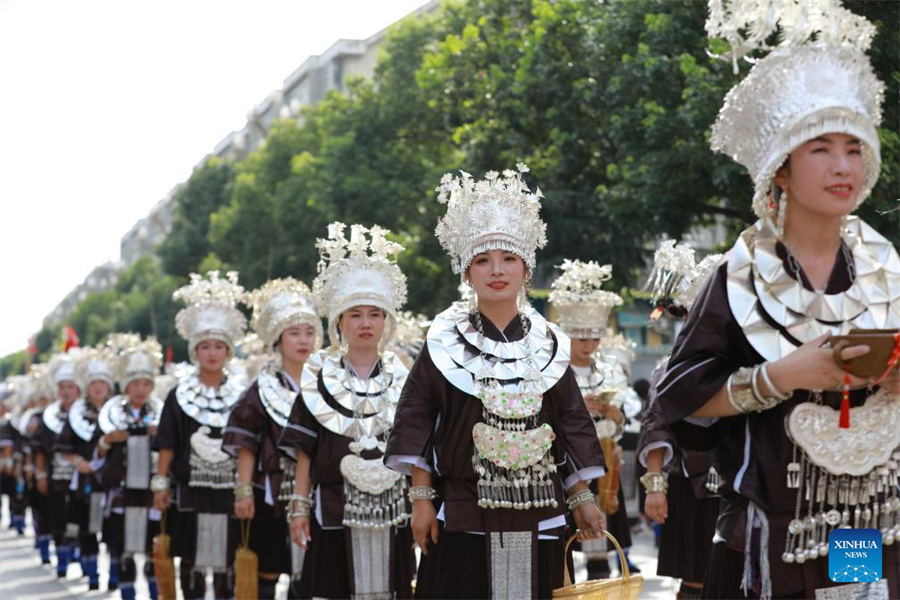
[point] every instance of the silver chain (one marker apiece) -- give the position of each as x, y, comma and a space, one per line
845, 251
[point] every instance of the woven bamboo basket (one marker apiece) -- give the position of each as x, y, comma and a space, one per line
627, 587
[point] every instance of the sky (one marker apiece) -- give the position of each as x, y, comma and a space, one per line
106, 105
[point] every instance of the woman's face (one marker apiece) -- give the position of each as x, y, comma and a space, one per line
824, 176
68, 392
297, 343
98, 391
582, 349
362, 326
212, 354
138, 391
497, 276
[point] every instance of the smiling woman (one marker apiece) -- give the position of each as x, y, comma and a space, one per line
492, 405
354, 527
749, 365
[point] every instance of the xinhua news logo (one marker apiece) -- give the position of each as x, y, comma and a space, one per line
854, 555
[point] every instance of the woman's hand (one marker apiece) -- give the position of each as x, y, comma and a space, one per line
657, 507
84, 467
589, 520
812, 367
161, 500
424, 524
300, 531
244, 508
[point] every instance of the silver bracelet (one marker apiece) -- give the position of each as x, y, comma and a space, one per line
104, 445
159, 483
743, 392
764, 371
243, 490
654, 482
421, 492
299, 506
580, 498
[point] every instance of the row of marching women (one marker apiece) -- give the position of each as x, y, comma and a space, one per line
494, 441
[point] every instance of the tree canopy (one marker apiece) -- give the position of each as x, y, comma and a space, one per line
609, 103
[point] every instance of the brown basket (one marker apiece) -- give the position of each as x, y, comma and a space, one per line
246, 567
163, 564
608, 485
627, 587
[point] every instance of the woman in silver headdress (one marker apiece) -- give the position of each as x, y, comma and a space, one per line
355, 528
583, 310
128, 422
189, 435
52, 473
287, 322
76, 443
491, 422
682, 488
752, 364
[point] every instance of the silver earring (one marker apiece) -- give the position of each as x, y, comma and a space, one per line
780, 213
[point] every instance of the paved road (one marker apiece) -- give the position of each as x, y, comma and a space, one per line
22, 577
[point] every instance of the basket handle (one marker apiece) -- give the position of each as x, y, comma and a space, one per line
568, 579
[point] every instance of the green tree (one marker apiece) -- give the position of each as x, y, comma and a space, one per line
205, 191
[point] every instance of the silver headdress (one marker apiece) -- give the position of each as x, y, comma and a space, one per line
280, 304
61, 367
582, 307
801, 90
136, 359
676, 278
359, 272
620, 349
497, 213
95, 364
211, 312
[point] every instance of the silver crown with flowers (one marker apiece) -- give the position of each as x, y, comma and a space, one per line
281, 304
801, 90
211, 312
135, 358
582, 306
496, 213
62, 367
95, 364
676, 278
360, 271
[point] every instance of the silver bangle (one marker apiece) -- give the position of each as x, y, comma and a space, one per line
299, 506
580, 498
743, 392
243, 490
104, 445
159, 483
781, 396
654, 482
421, 492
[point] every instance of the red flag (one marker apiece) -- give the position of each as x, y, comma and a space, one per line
70, 338
32, 346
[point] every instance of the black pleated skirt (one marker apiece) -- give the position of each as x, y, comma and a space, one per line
269, 537
685, 542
